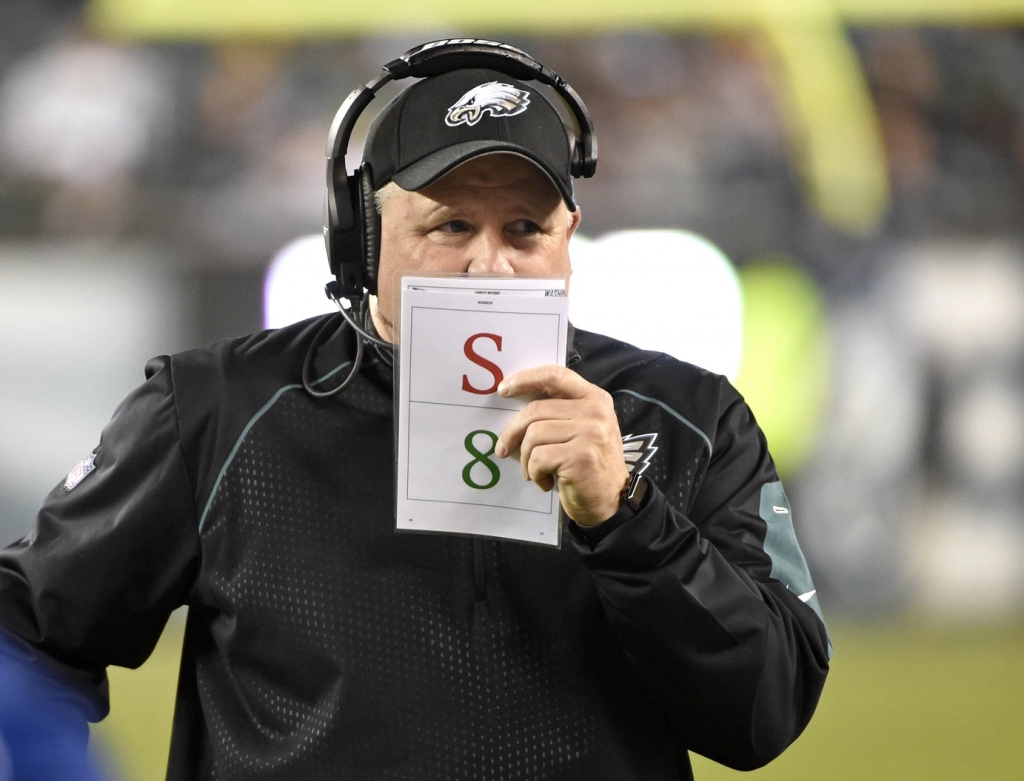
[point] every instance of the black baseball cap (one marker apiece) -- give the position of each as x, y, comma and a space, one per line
443, 121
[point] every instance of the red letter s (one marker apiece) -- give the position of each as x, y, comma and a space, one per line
479, 360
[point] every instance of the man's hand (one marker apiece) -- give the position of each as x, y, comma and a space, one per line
569, 439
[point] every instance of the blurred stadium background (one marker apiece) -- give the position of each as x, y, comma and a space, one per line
860, 164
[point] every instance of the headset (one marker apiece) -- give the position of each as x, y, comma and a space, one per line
351, 220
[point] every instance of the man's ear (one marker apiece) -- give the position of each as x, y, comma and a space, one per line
574, 221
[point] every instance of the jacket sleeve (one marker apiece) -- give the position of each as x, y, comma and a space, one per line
710, 605
112, 555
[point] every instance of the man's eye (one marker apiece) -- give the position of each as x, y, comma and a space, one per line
454, 226
524, 227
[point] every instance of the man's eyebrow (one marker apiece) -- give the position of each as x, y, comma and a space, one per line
438, 209
533, 208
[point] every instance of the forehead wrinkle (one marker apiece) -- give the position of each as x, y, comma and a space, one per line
469, 195
518, 196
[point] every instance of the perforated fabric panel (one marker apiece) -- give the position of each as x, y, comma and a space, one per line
328, 646
683, 450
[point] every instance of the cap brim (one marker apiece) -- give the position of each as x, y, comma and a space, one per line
429, 169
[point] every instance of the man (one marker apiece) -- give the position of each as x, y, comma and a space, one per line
677, 615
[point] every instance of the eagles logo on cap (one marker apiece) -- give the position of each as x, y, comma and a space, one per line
494, 98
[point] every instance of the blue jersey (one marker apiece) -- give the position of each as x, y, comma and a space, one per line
42, 733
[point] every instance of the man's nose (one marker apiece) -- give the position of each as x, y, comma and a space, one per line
491, 254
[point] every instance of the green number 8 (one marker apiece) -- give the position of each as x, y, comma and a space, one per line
481, 458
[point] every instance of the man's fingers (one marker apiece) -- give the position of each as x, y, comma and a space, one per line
542, 466
568, 439
534, 412
542, 433
551, 380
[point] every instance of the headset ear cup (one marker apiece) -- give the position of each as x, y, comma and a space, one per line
371, 230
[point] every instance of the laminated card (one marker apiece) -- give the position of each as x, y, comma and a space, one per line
459, 337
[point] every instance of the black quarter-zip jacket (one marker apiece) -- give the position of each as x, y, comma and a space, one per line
321, 644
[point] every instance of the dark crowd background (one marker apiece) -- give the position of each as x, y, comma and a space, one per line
145, 186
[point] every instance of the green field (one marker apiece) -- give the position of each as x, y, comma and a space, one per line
902, 702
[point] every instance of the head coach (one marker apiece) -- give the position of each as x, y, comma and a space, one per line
253, 480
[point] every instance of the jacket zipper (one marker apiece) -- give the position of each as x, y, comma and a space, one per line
479, 572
